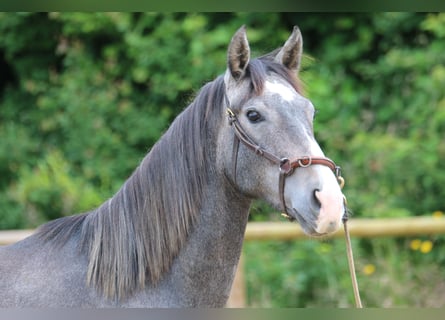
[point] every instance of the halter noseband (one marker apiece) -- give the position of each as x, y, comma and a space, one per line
285, 165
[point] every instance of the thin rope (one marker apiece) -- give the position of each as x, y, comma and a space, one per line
358, 302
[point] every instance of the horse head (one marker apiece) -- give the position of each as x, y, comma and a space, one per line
274, 154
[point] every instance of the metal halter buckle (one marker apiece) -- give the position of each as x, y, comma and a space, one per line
231, 115
285, 166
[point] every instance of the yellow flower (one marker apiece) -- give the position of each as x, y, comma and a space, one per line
415, 244
426, 246
437, 214
369, 269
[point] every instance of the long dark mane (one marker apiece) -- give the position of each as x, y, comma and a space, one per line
133, 238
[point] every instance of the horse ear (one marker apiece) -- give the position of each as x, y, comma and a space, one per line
238, 54
290, 54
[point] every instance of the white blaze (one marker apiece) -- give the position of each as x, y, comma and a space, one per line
329, 195
316, 151
284, 91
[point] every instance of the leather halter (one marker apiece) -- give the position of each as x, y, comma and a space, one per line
286, 166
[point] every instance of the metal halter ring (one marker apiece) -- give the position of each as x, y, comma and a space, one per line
305, 159
341, 181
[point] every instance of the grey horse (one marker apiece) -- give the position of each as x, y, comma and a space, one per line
172, 235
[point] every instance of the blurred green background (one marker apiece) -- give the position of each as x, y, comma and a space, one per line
83, 96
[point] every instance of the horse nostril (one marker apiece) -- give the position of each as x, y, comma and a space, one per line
316, 200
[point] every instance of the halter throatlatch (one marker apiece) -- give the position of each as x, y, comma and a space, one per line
286, 168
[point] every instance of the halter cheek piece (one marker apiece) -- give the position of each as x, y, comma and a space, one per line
286, 166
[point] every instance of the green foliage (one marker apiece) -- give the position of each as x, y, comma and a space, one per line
309, 273
377, 85
52, 182
100, 88
287, 269
81, 105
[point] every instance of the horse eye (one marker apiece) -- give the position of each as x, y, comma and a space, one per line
253, 116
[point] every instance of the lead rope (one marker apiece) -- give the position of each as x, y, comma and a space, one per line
358, 301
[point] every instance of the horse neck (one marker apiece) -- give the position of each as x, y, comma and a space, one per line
176, 210
204, 270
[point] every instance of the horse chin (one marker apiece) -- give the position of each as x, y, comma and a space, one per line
309, 226
305, 223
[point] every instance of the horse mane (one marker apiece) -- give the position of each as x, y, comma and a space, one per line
133, 237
